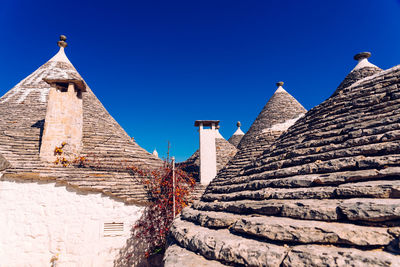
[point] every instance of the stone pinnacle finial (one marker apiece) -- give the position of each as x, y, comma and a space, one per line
62, 42
238, 124
362, 55
279, 84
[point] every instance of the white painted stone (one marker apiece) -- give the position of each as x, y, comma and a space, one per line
218, 134
282, 126
208, 154
60, 56
238, 132
42, 220
362, 63
280, 90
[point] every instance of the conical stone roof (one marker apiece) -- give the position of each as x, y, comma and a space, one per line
363, 69
237, 135
326, 193
278, 114
104, 142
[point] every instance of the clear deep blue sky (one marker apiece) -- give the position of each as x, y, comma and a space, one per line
157, 66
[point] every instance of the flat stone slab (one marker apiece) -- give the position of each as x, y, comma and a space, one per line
357, 209
177, 256
316, 255
312, 209
210, 219
305, 231
374, 210
223, 246
374, 189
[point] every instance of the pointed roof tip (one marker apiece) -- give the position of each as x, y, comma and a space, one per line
362, 55
61, 56
62, 43
155, 153
238, 131
363, 62
280, 88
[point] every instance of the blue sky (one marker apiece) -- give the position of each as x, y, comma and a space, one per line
157, 66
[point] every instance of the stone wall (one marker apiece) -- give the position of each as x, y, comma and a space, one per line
40, 221
63, 122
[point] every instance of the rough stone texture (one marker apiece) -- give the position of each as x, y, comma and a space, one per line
280, 112
210, 219
235, 139
301, 231
356, 75
313, 255
221, 245
104, 142
374, 210
326, 191
178, 256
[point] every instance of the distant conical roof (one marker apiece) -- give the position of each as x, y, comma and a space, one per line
363, 69
237, 135
23, 110
278, 114
326, 193
155, 153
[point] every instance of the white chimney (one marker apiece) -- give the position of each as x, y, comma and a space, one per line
208, 155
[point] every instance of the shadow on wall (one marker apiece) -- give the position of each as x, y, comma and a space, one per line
40, 125
132, 254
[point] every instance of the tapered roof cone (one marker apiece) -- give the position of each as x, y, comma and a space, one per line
363, 69
325, 193
22, 121
278, 114
237, 135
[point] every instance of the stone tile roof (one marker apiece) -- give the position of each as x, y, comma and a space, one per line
326, 193
23, 110
235, 139
237, 136
363, 69
281, 111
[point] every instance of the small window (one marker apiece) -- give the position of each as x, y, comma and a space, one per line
113, 229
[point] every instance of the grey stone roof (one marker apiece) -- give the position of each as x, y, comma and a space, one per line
237, 135
235, 139
326, 193
277, 115
23, 110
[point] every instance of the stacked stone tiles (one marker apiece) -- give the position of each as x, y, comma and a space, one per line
237, 136
326, 193
280, 112
105, 143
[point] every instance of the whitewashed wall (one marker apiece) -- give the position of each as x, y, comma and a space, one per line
42, 220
